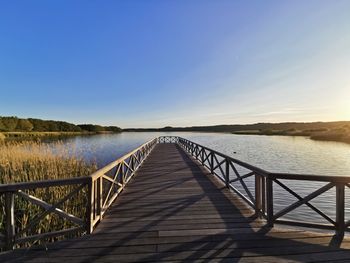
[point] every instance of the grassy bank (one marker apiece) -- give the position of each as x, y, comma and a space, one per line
27, 161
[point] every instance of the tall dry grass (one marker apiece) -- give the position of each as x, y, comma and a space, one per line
28, 161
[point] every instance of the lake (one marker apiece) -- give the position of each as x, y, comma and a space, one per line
273, 153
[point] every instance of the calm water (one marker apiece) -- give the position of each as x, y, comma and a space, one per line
272, 153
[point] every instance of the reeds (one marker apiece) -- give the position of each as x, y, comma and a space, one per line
41, 135
332, 136
28, 161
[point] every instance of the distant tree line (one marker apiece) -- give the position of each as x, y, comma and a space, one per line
13, 124
99, 128
262, 127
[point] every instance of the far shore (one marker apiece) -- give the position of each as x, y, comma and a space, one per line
12, 128
317, 136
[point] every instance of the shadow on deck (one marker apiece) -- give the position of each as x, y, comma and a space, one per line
174, 210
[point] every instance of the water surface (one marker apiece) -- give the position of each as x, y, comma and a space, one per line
273, 153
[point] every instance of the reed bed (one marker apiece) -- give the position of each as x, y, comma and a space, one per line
337, 135
28, 161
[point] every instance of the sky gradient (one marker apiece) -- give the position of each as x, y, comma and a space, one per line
178, 63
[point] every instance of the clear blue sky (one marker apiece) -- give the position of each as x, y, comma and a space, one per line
179, 63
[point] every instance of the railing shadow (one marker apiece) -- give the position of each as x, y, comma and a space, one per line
230, 243
208, 250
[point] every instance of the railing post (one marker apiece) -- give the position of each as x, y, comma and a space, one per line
340, 206
258, 192
90, 207
212, 162
227, 173
202, 157
269, 201
263, 194
122, 178
10, 220
100, 198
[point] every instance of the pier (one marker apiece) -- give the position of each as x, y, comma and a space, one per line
175, 200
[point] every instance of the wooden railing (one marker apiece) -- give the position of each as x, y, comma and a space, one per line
108, 182
15, 194
232, 171
168, 139
95, 194
98, 191
259, 191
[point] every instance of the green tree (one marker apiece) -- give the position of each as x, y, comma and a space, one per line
91, 127
9, 123
24, 125
2, 126
113, 128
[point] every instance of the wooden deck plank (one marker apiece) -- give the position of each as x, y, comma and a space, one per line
174, 210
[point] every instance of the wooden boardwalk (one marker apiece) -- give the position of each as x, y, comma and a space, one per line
174, 210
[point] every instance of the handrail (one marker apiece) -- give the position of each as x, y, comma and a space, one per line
311, 177
100, 189
243, 164
75, 180
103, 186
128, 155
225, 167
261, 199
42, 184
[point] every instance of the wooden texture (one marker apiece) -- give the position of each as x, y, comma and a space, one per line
174, 210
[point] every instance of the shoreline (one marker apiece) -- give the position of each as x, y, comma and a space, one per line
321, 136
326, 137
